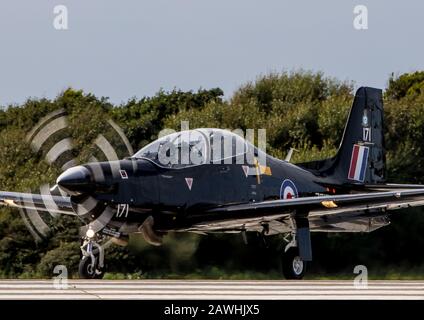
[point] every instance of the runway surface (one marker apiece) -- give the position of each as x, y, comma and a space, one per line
211, 289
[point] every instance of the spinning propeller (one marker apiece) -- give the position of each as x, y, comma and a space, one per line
52, 138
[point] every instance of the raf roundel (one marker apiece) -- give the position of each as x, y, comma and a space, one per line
288, 190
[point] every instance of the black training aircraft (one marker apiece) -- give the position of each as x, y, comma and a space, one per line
227, 185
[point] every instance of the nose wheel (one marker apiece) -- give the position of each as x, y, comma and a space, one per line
89, 270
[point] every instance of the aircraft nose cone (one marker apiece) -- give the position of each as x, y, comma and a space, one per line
75, 180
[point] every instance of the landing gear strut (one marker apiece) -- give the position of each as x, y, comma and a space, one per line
91, 265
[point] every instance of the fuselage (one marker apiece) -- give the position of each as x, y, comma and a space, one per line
220, 169
136, 188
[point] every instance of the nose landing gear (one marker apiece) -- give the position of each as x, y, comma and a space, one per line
91, 265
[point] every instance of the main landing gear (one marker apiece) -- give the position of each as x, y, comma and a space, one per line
293, 265
91, 265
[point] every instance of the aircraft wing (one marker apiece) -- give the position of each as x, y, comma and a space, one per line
324, 201
50, 203
362, 212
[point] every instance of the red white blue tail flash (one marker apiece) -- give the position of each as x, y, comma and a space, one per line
358, 163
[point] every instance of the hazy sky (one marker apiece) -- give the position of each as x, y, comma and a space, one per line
122, 49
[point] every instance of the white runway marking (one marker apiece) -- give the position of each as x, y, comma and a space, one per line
210, 289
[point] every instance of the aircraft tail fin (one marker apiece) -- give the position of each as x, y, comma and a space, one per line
361, 155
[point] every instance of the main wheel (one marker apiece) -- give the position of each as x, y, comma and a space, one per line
87, 271
294, 267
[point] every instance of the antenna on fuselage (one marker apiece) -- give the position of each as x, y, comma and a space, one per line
289, 154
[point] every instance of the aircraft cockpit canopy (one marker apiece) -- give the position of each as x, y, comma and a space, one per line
196, 147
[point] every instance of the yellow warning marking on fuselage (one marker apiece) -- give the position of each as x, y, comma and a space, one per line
258, 174
260, 169
265, 170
